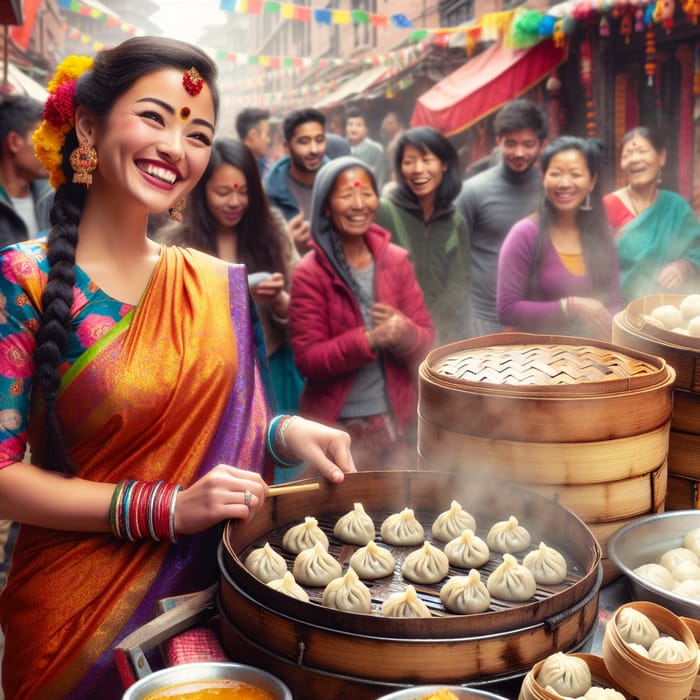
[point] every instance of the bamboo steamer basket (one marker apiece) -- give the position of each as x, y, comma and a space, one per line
600, 676
631, 329
577, 420
694, 626
320, 652
644, 678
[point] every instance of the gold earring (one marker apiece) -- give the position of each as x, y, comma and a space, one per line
83, 160
176, 211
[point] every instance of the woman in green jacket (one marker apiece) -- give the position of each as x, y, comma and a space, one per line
419, 212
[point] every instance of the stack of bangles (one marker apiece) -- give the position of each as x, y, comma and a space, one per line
141, 509
277, 444
567, 306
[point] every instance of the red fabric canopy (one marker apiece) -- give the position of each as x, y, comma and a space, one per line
484, 84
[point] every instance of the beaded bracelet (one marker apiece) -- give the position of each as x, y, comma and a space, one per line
276, 443
141, 509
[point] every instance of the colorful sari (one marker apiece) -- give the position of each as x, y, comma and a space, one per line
172, 390
665, 232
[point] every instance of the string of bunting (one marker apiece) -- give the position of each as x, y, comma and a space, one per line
326, 16
78, 8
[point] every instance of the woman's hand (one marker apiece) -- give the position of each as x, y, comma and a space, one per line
272, 291
219, 495
595, 314
672, 276
323, 448
391, 328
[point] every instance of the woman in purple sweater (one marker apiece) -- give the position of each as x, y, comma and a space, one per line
558, 270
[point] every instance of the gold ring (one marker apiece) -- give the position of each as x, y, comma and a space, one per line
248, 497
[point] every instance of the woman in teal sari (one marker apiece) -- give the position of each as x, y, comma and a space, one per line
656, 231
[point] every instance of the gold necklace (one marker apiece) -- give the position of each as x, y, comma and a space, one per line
634, 204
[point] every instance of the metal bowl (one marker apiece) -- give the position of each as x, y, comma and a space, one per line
643, 542
420, 692
205, 671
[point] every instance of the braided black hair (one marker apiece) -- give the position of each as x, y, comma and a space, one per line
113, 73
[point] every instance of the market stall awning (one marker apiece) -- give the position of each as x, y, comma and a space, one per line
20, 83
484, 84
352, 88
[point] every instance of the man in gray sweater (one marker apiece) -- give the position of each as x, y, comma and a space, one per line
492, 201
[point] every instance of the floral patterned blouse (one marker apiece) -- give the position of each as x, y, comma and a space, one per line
94, 313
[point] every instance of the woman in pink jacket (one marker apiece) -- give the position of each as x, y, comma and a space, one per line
359, 325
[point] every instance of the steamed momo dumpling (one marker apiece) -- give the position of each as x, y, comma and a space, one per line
452, 522
688, 589
690, 306
596, 693
372, 561
639, 649
547, 564
355, 527
691, 541
669, 315
511, 581
508, 536
405, 604
566, 675
694, 327
289, 586
316, 567
468, 551
657, 575
348, 593
673, 557
304, 536
669, 650
402, 529
266, 564
636, 628
426, 565
465, 595
686, 570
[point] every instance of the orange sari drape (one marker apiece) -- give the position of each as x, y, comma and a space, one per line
172, 391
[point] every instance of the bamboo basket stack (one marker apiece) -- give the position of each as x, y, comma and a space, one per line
580, 421
631, 329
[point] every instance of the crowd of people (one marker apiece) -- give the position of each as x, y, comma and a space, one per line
157, 375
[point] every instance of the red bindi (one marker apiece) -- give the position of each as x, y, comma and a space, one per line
357, 183
235, 185
185, 112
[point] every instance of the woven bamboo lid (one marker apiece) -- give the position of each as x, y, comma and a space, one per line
537, 364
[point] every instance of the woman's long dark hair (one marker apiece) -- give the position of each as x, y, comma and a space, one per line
258, 232
113, 73
425, 139
594, 230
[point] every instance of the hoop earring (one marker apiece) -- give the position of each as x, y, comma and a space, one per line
83, 160
176, 211
660, 176
586, 206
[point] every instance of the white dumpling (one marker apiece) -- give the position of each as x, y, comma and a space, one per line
690, 306
686, 570
597, 693
467, 551
348, 593
452, 522
316, 567
669, 650
691, 540
511, 581
289, 586
566, 675
657, 575
402, 529
547, 564
426, 565
304, 536
355, 527
405, 604
372, 561
639, 649
508, 536
689, 588
669, 315
465, 595
673, 557
694, 327
636, 628
265, 563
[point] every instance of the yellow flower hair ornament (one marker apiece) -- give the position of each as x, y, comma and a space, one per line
59, 116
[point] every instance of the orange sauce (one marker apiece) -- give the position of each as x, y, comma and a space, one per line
210, 690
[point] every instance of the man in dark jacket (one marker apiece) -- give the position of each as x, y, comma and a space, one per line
25, 195
290, 180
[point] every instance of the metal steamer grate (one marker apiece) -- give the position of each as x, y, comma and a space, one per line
539, 365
